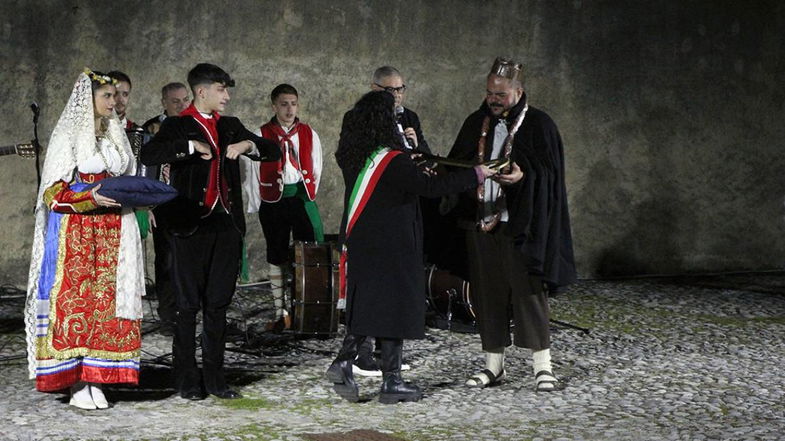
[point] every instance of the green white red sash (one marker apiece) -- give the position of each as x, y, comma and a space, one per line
361, 193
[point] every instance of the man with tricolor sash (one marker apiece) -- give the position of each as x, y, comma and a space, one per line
382, 276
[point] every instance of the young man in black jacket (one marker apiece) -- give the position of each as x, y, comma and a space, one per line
206, 222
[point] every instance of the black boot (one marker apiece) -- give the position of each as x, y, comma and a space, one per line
340, 371
188, 380
213, 348
394, 389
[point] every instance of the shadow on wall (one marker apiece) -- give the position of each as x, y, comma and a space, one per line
653, 232
648, 237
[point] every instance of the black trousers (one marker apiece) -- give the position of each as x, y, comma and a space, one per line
501, 289
205, 268
164, 292
280, 220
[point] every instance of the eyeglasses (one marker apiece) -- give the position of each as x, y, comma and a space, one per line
392, 90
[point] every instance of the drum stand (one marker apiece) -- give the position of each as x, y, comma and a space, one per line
452, 293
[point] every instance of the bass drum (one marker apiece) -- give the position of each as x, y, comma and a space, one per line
315, 288
449, 296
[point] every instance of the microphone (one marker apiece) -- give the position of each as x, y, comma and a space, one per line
398, 113
36, 111
398, 117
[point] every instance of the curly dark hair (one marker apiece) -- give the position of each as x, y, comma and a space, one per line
370, 124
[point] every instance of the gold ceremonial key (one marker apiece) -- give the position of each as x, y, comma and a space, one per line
497, 164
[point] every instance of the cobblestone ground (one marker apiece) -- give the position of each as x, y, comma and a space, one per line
662, 361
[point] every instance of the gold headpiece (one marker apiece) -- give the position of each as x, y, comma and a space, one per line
507, 68
100, 79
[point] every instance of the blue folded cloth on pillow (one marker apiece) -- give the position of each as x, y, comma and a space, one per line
135, 191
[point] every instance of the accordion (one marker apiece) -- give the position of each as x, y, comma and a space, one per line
138, 137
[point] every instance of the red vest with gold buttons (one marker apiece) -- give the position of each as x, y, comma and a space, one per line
216, 192
271, 173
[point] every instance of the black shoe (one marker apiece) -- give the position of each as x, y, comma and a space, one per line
394, 389
366, 366
366, 362
193, 394
340, 373
227, 394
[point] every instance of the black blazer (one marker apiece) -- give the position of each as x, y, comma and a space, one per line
410, 119
189, 173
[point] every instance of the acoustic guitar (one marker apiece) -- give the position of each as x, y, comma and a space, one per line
25, 150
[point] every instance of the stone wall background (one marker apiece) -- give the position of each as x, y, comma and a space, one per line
671, 112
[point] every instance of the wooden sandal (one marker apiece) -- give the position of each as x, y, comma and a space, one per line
547, 385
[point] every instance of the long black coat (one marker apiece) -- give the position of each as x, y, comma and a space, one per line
385, 272
189, 173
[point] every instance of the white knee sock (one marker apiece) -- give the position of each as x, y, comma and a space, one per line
494, 360
276, 283
542, 360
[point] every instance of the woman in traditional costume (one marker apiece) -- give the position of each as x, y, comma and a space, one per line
86, 279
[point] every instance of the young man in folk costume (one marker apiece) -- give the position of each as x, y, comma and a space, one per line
84, 304
134, 133
174, 99
517, 225
283, 192
206, 222
122, 97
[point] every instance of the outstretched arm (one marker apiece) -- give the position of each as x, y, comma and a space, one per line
169, 145
253, 146
404, 174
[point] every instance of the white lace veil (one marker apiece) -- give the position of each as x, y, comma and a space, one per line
73, 141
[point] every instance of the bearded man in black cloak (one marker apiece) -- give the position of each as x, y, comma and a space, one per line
516, 223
